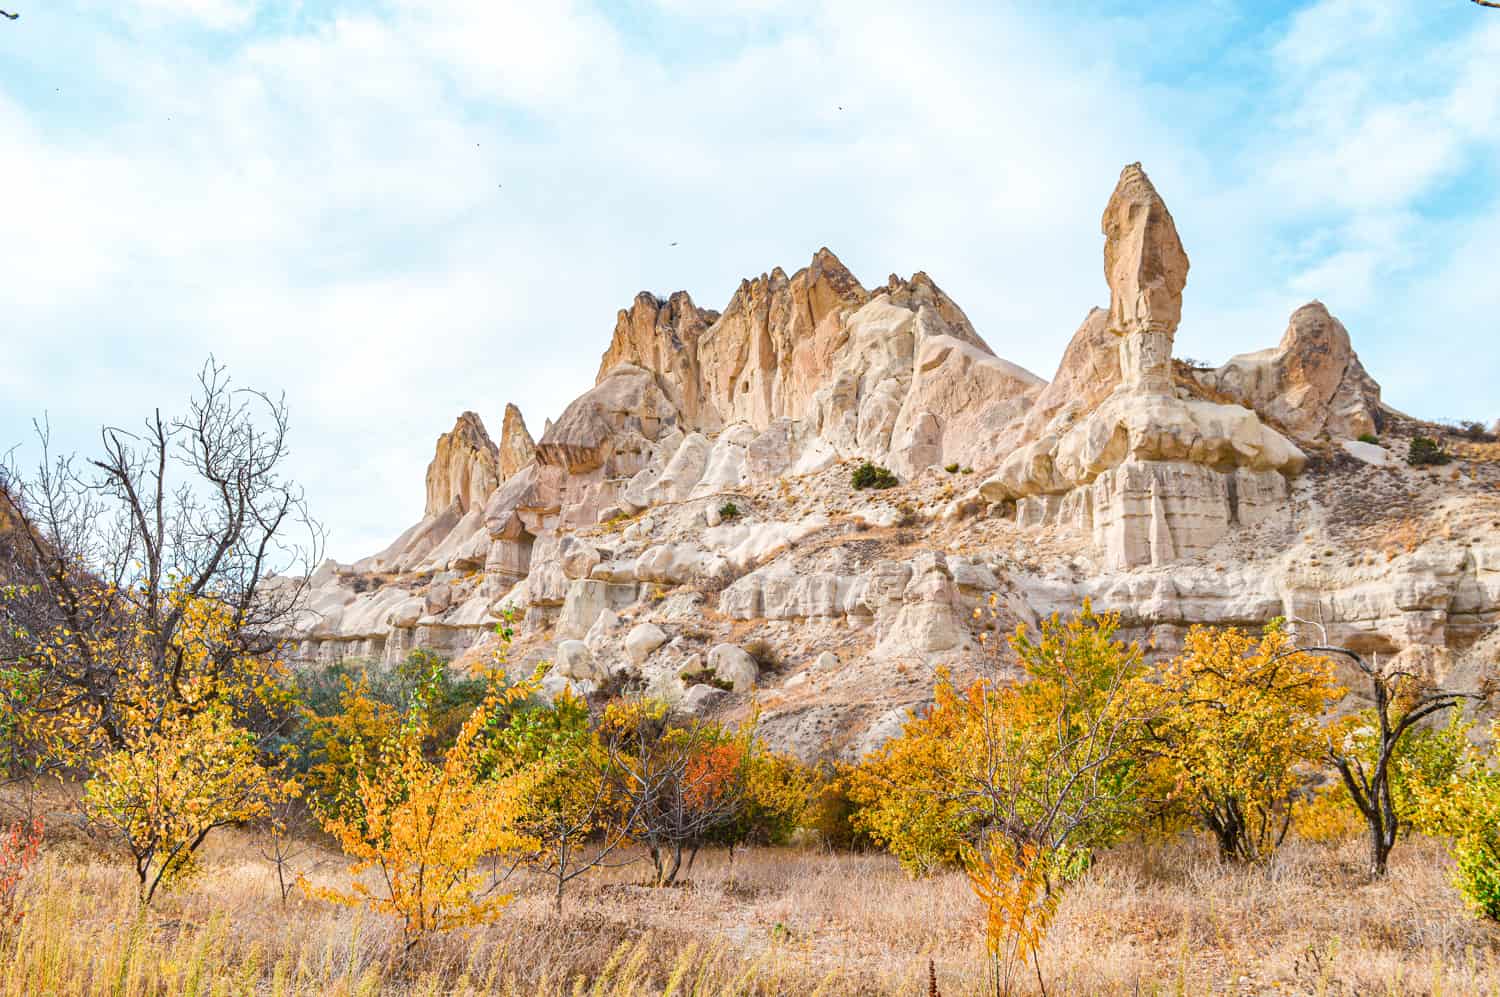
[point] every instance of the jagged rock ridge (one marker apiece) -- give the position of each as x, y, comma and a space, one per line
692, 510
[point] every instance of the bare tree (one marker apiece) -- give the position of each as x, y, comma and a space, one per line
581, 832
1402, 700
283, 844
188, 508
678, 781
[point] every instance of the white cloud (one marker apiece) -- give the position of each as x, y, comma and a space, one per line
218, 15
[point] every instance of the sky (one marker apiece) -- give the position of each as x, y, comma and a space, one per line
395, 211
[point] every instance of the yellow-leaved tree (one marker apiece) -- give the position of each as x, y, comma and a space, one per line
163, 793
1234, 717
188, 750
427, 825
1464, 807
157, 579
899, 792
1011, 883
1018, 782
1048, 761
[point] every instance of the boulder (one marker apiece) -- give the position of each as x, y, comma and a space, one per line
683, 470
439, 597
734, 665
576, 661
586, 599
642, 640
605, 421
1370, 453
701, 699
578, 558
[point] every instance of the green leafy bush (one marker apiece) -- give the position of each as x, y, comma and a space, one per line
729, 511
1477, 871
869, 475
951, 468
1369, 438
1425, 451
1465, 808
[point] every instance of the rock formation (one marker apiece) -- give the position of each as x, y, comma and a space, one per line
1147, 268
1312, 384
1151, 473
686, 527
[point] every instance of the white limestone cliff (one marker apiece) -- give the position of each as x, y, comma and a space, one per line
691, 514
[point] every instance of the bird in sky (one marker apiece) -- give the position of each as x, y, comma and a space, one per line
8, 15
674, 243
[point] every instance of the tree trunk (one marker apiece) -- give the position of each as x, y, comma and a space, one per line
671, 879
1380, 850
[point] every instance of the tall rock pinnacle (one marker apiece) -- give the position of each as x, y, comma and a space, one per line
465, 467
1147, 269
516, 448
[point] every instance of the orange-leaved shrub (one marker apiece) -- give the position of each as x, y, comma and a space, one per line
426, 824
20, 844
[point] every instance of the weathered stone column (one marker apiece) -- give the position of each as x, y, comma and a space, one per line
1147, 268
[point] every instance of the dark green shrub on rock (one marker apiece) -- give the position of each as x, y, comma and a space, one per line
869, 475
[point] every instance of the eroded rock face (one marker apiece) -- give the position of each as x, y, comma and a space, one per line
1312, 383
692, 512
1146, 472
1089, 373
662, 336
465, 467
516, 449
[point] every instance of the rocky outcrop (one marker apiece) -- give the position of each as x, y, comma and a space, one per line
1149, 474
1147, 269
1089, 373
1312, 383
465, 467
688, 523
516, 449
662, 336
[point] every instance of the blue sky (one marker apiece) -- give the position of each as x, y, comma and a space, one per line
399, 210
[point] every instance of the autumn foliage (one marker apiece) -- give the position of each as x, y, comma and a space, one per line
19, 846
1046, 762
425, 826
1235, 720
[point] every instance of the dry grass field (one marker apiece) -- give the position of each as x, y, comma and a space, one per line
1163, 918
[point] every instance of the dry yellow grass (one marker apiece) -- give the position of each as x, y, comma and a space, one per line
1149, 919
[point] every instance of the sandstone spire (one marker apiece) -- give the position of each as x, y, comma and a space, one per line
516, 449
465, 466
1147, 268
